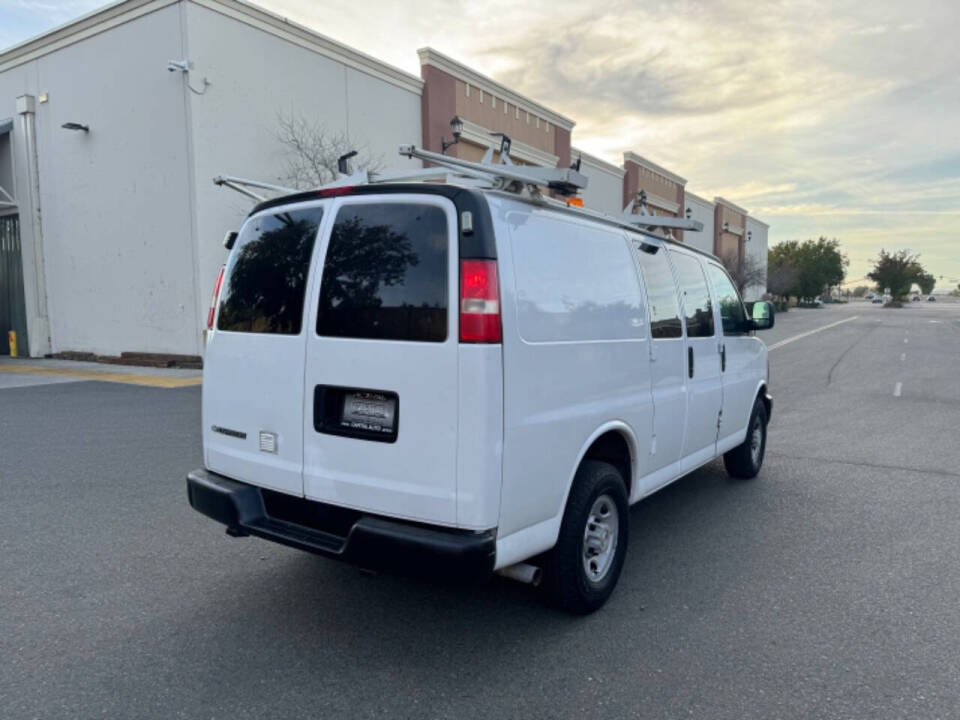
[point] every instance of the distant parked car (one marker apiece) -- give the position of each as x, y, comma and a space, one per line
877, 300
915, 298
931, 299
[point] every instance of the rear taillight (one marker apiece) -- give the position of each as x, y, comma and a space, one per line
215, 298
479, 302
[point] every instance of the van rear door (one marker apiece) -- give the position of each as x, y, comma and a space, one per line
253, 365
380, 403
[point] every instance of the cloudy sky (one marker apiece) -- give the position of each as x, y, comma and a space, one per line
822, 117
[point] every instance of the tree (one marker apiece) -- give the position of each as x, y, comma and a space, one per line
312, 152
861, 290
897, 271
817, 265
783, 269
744, 271
925, 280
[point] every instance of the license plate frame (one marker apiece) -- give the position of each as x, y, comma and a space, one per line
361, 413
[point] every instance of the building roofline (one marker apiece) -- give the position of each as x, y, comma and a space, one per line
650, 165
750, 218
124, 11
429, 56
722, 201
598, 162
691, 195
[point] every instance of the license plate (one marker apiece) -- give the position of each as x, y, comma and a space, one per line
369, 411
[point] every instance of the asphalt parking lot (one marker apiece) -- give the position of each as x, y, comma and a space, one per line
827, 587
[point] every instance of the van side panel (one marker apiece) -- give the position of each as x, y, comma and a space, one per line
575, 357
479, 436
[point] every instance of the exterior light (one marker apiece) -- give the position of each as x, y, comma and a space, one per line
688, 213
456, 128
75, 126
749, 235
726, 227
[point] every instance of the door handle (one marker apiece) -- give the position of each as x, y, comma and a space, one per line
723, 358
689, 361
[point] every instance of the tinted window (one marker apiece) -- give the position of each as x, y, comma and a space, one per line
661, 293
574, 282
697, 308
266, 276
385, 274
731, 307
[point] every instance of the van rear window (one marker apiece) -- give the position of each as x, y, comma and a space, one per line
385, 275
266, 276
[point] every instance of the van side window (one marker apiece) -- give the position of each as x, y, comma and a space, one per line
661, 293
385, 275
266, 276
574, 283
731, 306
697, 308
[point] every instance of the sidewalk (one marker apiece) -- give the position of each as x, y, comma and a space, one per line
71, 370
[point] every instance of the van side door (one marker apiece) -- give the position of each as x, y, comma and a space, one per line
667, 363
741, 358
702, 361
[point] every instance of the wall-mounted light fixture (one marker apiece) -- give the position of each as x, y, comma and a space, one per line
688, 213
749, 235
726, 227
75, 126
456, 127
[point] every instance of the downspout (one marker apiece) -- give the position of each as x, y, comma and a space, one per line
38, 332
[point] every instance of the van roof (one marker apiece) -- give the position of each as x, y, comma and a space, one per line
467, 198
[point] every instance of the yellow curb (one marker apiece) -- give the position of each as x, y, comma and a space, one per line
126, 378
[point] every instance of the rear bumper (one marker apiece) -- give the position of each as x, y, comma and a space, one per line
366, 540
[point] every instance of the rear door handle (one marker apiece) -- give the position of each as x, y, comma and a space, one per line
689, 361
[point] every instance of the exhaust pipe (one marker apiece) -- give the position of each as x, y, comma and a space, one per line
522, 572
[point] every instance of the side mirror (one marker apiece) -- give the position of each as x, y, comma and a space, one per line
763, 315
229, 239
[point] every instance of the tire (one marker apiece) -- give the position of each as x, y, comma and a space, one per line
598, 494
745, 460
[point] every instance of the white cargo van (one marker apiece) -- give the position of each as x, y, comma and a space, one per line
459, 381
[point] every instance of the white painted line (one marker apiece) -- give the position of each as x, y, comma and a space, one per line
906, 340
938, 322
809, 333
897, 389
903, 357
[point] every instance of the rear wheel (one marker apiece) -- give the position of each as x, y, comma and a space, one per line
745, 460
584, 566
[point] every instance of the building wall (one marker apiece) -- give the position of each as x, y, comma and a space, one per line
117, 247
604, 183
702, 210
756, 249
729, 228
6, 168
664, 189
234, 124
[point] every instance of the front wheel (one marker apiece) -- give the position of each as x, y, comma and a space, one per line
745, 460
584, 566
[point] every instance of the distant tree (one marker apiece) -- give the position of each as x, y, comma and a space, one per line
861, 290
897, 271
926, 281
782, 269
312, 152
744, 272
818, 265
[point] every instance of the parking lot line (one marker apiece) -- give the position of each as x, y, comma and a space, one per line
897, 389
809, 332
159, 381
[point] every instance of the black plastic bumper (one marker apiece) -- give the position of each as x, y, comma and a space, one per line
769, 402
366, 540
